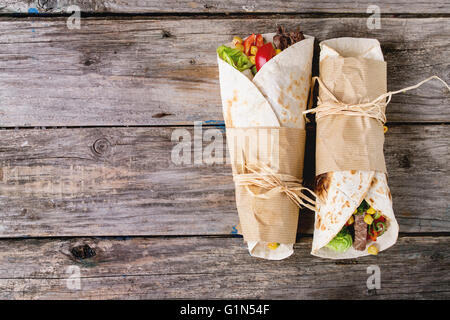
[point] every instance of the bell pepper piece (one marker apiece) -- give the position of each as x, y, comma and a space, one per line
259, 41
248, 43
264, 54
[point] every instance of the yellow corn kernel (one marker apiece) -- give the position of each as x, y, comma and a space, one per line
252, 59
356, 211
371, 210
237, 40
273, 245
368, 219
385, 129
351, 220
372, 250
239, 46
277, 51
253, 50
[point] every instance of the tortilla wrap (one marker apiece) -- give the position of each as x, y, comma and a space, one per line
341, 192
275, 97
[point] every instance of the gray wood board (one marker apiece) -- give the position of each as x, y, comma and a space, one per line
164, 71
122, 181
209, 267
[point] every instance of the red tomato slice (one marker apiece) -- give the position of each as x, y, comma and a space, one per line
259, 41
264, 54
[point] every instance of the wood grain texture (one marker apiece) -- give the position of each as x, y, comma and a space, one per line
140, 71
232, 6
66, 186
121, 181
198, 267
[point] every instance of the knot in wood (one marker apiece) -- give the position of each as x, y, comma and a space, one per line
83, 252
101, 146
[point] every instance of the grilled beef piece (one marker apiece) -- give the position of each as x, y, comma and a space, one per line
284, 39
360, 233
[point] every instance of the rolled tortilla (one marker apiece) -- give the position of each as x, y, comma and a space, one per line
275, 97
341, 192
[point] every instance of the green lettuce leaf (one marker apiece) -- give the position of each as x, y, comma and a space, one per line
234, 57
341, 242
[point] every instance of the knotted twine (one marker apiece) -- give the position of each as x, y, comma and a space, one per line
373, 109
267, 167
268, 179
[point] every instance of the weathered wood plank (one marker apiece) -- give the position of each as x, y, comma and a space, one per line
121, 181
156, 268
106, 182
232, 6
150, 72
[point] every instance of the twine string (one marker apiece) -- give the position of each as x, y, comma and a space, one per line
266, 178
374, 109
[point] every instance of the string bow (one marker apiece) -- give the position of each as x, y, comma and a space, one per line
266, 178
373, 109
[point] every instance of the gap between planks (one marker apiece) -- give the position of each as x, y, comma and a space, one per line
229, 7
220, 15
205, 124
431, 234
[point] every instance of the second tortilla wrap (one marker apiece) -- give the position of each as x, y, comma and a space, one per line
341, 192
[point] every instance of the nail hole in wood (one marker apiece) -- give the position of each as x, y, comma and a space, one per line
165, 34
88, 62
404, 162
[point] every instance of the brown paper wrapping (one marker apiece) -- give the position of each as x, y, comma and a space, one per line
347, 142
274, 217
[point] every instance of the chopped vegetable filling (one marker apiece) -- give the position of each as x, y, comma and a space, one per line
252, 53
365, 224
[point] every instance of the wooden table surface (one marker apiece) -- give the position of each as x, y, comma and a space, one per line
86, 177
